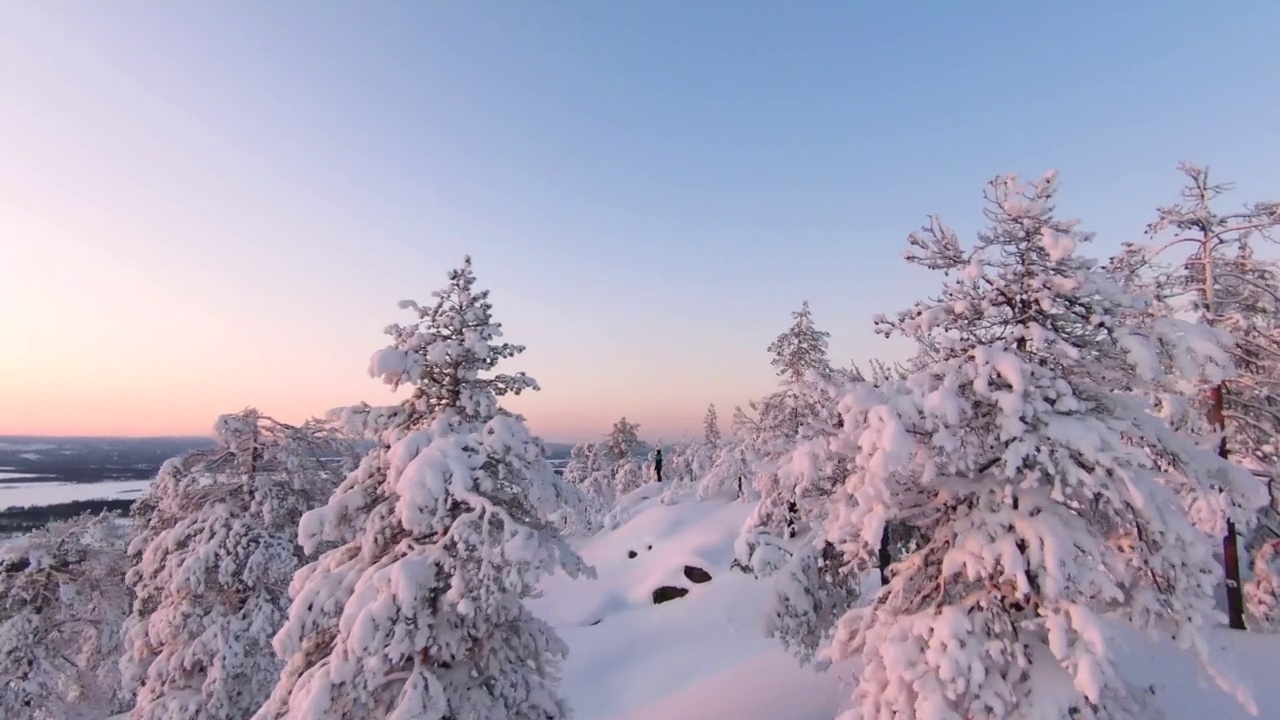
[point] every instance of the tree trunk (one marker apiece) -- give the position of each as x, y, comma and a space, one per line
884, 557
1230, 545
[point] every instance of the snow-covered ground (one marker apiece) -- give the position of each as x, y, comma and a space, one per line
52, 493
704, 656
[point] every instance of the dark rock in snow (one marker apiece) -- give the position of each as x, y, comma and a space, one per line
667, 592
631, 554
696, 574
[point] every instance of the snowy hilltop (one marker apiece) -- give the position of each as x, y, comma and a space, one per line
1059, 506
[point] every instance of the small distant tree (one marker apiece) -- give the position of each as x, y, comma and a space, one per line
730, 474
579, 468
622, 442
214, 551
615, 470
62, 603
439, 537
580, 513
711, 436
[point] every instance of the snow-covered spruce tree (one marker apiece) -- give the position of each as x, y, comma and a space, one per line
816, 586
61, 607
615, 469
1193, 356
1218, 282
581, 510
418, 611
711, 435
802, 408
689, 463
651, 463
1046, 519
578, 470
622, 442
213, 554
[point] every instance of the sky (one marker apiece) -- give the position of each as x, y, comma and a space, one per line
207, 206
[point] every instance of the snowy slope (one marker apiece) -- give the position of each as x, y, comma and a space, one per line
704, 656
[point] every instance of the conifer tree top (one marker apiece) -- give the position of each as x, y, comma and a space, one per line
801, 348
446, 352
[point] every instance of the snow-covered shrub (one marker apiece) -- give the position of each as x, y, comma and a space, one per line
62, 600
1046, 497
813, 590
730, 473
213, 555
440, 535
686, 465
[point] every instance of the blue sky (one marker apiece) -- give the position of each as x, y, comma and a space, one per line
220, 204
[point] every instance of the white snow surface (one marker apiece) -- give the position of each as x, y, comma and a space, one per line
52, 493
704, 655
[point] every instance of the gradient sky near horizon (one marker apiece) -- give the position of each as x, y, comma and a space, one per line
205, 206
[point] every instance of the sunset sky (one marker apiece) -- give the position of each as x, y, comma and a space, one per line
205, 206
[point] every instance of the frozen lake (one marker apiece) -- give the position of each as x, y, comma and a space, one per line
7, 475
52, 493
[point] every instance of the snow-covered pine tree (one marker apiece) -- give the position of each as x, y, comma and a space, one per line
1045, 515
711, 436
213, 554
622, 442
578, 513
578, 470
615, 469
418, 612
1249, 302
799, 351
61, 607
1218, 281
816, 586
801, 409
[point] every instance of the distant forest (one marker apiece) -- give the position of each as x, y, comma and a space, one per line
20, 520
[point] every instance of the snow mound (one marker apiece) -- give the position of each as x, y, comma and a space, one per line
698, 656
704, 655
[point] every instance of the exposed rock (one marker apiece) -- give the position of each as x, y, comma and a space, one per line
631, 554
667, 592
696, 574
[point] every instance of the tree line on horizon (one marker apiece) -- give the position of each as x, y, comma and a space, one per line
1075, 446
